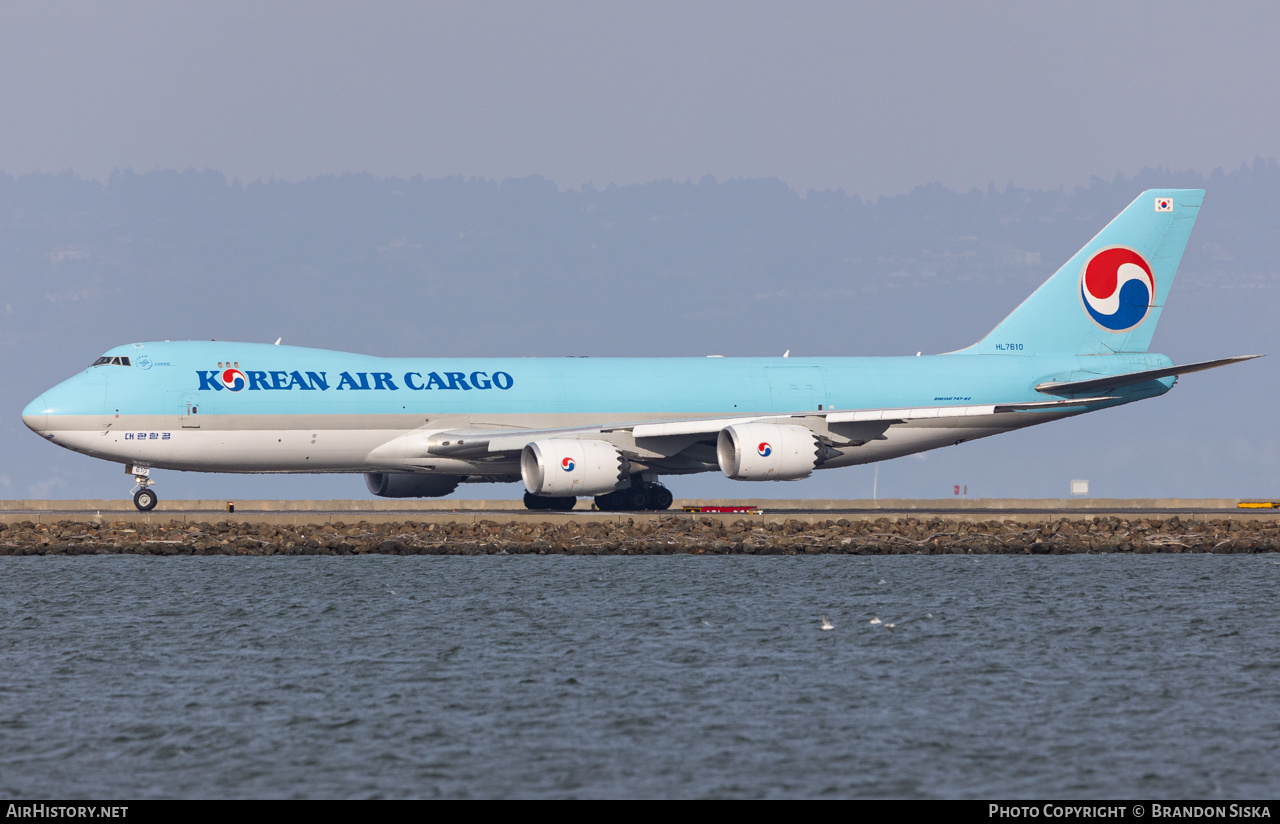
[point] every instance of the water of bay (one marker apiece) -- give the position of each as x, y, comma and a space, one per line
666, 676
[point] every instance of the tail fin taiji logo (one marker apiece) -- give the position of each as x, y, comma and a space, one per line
1117, 288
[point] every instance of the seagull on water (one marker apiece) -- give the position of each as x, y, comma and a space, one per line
874, 620
827, 624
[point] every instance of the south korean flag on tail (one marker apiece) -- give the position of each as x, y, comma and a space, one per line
1164, 204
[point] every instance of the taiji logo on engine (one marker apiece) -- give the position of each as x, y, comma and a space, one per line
1117, 288
764, 450
233, 379
567, 464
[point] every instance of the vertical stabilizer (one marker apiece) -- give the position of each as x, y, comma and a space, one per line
1108, 297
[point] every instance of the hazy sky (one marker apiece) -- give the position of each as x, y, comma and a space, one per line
872, 97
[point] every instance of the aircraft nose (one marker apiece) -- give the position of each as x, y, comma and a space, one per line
36, 415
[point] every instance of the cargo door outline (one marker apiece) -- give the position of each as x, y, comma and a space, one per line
190, 405
796, 388
108, 417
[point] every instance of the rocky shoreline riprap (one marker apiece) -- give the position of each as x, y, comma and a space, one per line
661, 536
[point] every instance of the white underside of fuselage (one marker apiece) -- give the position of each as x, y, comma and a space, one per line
355, 444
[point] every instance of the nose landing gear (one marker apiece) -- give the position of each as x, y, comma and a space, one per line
144, 498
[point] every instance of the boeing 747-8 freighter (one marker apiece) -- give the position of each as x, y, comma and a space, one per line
611, 427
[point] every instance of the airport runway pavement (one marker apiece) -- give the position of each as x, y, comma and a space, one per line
474, 511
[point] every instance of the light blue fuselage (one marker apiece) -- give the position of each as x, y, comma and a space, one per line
289, 380
173, 397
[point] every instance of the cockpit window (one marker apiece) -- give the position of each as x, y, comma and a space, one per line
112, 361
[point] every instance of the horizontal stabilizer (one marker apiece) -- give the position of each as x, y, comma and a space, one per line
1130, 378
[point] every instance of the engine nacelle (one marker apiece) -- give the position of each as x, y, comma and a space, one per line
560, 467
410, 484
767, 452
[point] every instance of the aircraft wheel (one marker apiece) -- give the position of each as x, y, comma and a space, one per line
145, 500
542, 502
636, 498
660, 498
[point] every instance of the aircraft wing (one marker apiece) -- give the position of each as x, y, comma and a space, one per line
1109, 382
661, 439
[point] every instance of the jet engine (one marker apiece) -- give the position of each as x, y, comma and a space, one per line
410, 484
560, 467
767, 452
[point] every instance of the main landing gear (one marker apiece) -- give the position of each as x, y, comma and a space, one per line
639, 496
144, 497
545, 503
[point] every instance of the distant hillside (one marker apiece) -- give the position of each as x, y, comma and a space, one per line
648, 253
